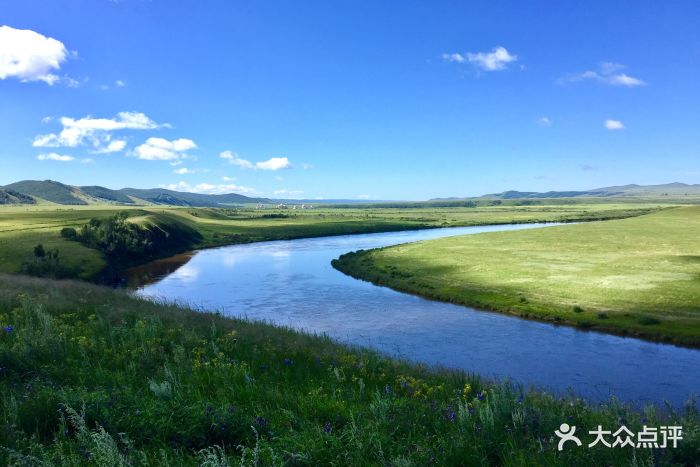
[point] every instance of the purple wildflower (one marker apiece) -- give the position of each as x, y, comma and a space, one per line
328, 427
9, 329
481, 396
288, 361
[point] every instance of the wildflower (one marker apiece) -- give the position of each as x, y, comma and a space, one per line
327, 428
481, 395
467, 389
288, 361
387, 390
9, 329
451, 415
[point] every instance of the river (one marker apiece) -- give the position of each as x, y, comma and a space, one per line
292, 283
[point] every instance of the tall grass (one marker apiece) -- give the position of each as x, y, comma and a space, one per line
91, 376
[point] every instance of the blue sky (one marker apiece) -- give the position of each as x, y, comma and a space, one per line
350, 99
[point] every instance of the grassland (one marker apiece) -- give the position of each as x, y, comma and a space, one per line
92, 376
637, 276
22, 228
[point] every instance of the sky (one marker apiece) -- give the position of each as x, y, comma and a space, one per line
350, 99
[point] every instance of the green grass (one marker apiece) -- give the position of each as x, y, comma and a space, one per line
23, 227
91, 376
638, 276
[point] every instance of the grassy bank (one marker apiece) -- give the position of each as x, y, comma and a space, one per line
636, 276
22, 228
91, 376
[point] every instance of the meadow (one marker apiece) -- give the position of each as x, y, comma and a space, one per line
24, 227
638, 276
93, 376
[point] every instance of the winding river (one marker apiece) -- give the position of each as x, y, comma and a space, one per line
292, 283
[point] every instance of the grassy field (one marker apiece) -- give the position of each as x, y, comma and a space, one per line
638, 276
22, 228
92, 376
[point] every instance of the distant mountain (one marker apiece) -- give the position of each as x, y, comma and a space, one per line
178, 198
48, 190
668, 189
32, 191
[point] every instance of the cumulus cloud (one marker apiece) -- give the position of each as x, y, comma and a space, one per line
29, 56
235, 159
95, 131
544, 121
161, 149
116, 145
607, 73
613, 125
495, 60
210, 188
274, 163
52, 156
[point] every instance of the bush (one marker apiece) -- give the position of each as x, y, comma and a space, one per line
69, 232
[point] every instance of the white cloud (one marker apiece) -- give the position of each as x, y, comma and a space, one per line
29, 56
608, 73
454, 58
234, 159
209, 188
544, 121
614, 125
183, 171
87, 160
307, 166
274, 163
116, 145
228, 179
288, 192
119, 83
52, 156
495, 60
96, 131
160, 149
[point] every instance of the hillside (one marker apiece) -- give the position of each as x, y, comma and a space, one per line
95, 376
29, 191
13, 197
48, 190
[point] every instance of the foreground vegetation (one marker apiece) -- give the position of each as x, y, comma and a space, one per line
91, 376
93, 257
634, 276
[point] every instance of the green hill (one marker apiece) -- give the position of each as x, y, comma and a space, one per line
13, 197
48, 190
26, 192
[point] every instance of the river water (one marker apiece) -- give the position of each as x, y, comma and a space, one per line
292, 283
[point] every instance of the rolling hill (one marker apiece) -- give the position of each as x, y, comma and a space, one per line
33, 191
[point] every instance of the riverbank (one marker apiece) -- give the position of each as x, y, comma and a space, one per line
92, 375
634, 276
23, 228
